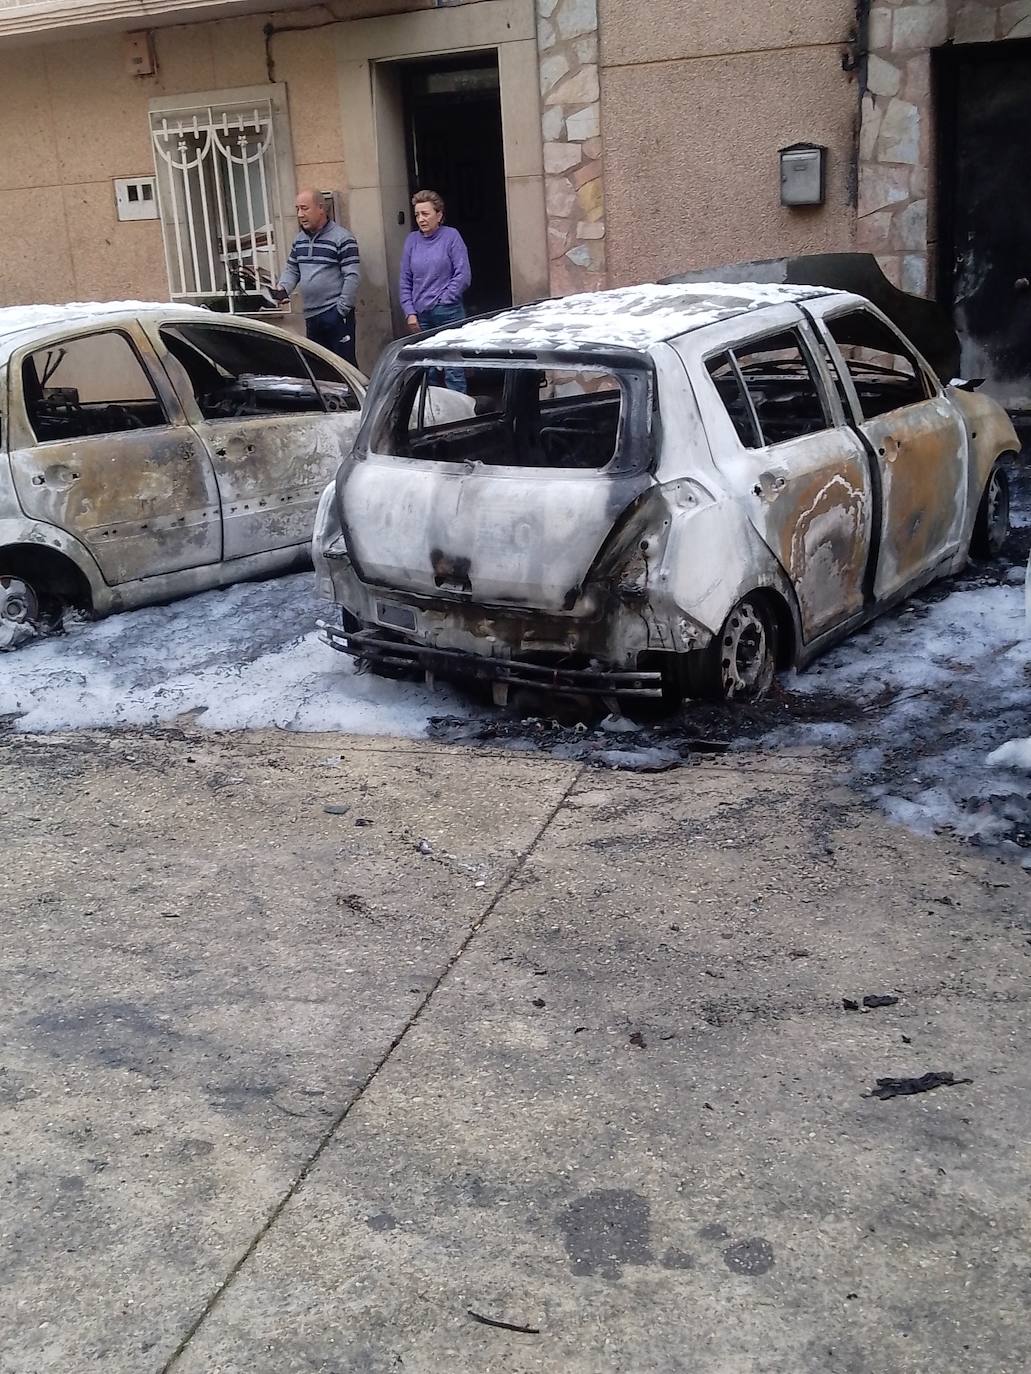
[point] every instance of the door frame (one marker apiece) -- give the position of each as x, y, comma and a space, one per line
945, 66
369, 54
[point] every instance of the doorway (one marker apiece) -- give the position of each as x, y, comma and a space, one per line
983, 96
453, 137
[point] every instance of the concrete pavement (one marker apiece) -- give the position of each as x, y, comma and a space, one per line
285, 1092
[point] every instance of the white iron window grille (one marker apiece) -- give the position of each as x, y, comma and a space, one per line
217, 182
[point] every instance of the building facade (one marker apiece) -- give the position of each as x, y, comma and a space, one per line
152, 148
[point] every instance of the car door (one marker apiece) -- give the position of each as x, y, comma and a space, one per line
277, 419
100, 448
916, 439
780, 438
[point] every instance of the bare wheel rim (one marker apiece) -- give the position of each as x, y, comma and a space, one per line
997, 510
745, 658
18, 602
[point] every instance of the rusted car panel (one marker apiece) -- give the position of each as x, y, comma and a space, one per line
800, 461
124, 480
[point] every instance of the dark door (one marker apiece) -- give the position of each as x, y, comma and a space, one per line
984, 105
453, 119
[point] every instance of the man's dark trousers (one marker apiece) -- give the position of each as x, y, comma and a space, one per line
333, 331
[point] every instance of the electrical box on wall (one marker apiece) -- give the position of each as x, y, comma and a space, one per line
139, 54
136, 198
803, 174
330, 202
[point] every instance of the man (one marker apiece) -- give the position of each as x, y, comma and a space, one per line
324, 260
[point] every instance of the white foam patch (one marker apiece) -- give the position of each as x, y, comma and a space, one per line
628, 317
943, 690
1015, 753
237, 659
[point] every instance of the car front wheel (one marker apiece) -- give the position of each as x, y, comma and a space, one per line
739, 664
992, 522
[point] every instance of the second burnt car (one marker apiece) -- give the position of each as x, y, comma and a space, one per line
666, 490
152, 450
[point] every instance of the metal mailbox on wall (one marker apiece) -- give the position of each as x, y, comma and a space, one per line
803, 174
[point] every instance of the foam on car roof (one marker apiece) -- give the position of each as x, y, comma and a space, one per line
628, 317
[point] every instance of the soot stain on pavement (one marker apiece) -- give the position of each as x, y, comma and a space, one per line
751, 1257
605, 1231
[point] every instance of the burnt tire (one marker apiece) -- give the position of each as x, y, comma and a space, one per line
741, 661
992, 522
21, 611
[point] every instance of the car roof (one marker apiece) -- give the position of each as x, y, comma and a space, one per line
23, 324
635, 317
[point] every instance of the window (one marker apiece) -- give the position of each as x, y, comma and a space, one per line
528, 416
769, 390
335, 391
95, 384
884, 371
218, 182
243, 373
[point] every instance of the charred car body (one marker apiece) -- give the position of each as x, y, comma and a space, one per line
147, 451
665, 490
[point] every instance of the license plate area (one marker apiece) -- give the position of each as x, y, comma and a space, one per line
400, 617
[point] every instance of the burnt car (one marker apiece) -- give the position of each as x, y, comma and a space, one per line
148, 451
666, 490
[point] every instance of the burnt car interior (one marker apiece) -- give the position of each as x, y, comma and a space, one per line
885, 374
769, 390
239, 374
538, 418
91, 385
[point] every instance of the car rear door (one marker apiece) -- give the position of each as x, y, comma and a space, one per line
915, 437
276, 418
778, 435
100, 447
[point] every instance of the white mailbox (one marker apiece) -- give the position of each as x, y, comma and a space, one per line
803, 174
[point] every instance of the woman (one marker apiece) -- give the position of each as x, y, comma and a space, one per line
434, 274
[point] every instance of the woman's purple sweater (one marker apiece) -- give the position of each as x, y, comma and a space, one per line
434, 270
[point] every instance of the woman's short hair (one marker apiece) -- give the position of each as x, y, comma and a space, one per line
436, 200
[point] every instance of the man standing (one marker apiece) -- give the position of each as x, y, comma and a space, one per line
324, 260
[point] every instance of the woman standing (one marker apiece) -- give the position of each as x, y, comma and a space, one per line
435, 274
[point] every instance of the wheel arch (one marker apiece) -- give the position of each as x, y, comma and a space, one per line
52, 569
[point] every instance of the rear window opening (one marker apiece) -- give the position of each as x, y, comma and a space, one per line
523, 416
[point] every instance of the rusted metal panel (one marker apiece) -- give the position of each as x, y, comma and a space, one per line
143, 502
271, 472
921, 454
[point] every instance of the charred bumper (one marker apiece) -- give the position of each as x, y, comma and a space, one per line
377, 649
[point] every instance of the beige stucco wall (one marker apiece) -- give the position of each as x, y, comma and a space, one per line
696, 101
72, 119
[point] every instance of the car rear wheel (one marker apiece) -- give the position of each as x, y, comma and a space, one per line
19, 611
740, 662
992, 522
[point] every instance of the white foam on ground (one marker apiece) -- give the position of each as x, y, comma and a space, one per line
944, 691
230, 660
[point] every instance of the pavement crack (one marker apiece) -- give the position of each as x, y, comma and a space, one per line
338, 1121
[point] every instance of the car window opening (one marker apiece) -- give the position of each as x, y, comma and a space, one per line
884, 372
769, 391
525, 417
87, 386
239, 373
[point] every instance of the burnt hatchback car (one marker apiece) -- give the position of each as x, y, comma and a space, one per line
666, 490
149, 451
